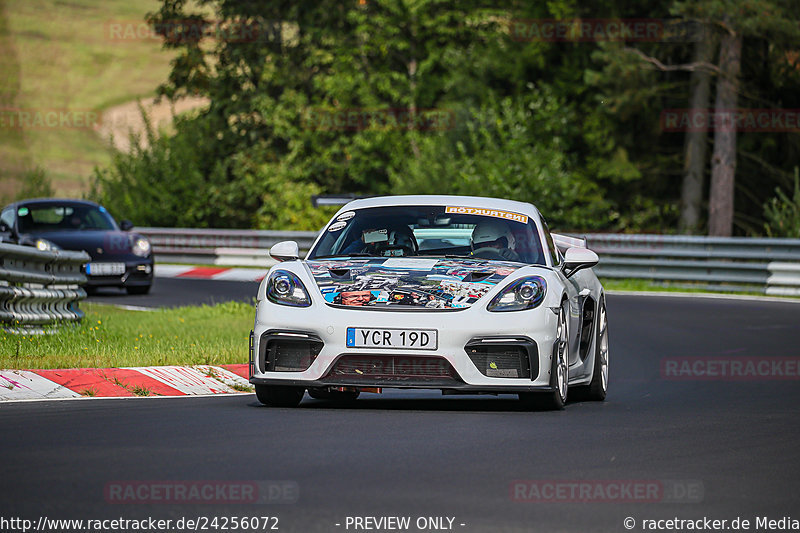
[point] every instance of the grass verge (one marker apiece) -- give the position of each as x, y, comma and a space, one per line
615, 284
113, 337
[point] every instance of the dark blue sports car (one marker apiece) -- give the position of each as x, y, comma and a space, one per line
120, 257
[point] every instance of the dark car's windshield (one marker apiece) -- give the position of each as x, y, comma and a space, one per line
36, 218
447, 231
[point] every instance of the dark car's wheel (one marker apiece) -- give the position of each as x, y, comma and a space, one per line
599, 385
279, 396
138, 289
559, 373
321, 393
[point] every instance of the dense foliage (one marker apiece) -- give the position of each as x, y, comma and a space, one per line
572, 126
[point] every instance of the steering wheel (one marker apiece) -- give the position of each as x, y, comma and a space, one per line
488, 252
405, 250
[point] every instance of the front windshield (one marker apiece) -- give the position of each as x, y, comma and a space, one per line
432, 231
37, 218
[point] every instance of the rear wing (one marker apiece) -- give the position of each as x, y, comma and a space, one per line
563, 242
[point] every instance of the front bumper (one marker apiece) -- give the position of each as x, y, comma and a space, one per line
138, 272
477, 351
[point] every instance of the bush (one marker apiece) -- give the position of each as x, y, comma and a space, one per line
783, 213
182, 181
35, 184
159, 185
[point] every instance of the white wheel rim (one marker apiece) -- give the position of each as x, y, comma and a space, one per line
603, 347
562, 376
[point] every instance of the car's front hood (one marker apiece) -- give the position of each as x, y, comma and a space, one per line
99, 244
408, 281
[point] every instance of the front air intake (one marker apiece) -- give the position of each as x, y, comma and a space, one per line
288, 352
392, 366
504, 358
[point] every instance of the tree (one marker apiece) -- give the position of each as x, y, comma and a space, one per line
775, 21
571, 126
771, 21
694, 159
723, 160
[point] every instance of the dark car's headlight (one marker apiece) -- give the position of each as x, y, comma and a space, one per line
284, 288
140, 246
525, 293
46, 246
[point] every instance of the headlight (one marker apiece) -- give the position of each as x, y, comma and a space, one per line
141, 247
525, 293
46, 246
284, 288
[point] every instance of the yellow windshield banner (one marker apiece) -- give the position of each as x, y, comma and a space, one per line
506, 215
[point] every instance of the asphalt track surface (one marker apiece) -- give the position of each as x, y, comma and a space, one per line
174, 292
420, 454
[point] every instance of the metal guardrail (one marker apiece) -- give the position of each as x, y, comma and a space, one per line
39, 289
220, 246
733, 264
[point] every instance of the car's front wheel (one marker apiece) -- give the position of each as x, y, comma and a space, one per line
279, 396
599, 385
559, 373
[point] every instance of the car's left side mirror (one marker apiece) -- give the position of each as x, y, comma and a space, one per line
576, 259
285, 251
126, 225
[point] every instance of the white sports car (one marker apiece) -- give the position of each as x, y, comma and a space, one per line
463, 294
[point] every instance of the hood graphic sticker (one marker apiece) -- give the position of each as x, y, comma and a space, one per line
408, 282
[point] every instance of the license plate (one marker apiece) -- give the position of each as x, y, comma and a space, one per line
406, 339
105, 269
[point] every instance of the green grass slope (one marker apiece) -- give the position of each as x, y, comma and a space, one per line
62, 55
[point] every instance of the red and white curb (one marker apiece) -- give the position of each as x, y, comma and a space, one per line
198, 380
215, 273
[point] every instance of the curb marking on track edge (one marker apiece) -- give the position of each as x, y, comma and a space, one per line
165, 381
